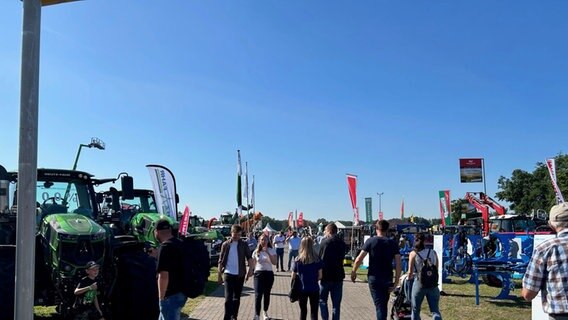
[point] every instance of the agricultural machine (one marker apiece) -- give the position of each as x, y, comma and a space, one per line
136, 216
71, 231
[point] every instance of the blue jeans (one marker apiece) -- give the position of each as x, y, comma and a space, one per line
433, 297
335, 288
170, 307
291, 255
280, 259
380, 293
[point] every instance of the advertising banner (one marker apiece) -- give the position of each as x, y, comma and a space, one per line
301, 220
445, 207
381, 215
164, 185
551, 165
369, 210
471, 170
184, 221
352, 185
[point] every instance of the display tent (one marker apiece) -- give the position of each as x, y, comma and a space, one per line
269, 229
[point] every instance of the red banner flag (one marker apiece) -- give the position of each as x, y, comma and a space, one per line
352, 185
291, 219
301, 219
380, 215
402, 209
184, 221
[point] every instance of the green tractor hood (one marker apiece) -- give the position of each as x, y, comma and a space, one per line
73, 224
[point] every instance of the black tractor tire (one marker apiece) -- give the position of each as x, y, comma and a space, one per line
492, 280
7, 280
134, 294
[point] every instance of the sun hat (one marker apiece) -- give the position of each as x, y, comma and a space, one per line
559, 212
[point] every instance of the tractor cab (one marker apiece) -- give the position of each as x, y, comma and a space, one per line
512, 223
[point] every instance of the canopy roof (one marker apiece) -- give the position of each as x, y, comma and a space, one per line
268, 228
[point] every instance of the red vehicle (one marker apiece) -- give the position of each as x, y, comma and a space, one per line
483, 203
502, 222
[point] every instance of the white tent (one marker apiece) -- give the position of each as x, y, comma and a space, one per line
269, 229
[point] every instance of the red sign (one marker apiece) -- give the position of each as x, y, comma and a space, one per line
471, 170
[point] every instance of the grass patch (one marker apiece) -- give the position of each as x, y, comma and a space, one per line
459, 301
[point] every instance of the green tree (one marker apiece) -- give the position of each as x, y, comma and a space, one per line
528, 191
459, 207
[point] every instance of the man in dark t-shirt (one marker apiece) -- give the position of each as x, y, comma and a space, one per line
169, 272
332, 253
382, 252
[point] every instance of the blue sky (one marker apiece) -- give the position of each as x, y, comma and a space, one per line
395, 92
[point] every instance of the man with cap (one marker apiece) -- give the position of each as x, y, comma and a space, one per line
86, 303
548, 268
169, 272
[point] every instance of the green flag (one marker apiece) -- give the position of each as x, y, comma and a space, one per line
239, 173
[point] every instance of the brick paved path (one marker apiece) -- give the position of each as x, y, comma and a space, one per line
356, 304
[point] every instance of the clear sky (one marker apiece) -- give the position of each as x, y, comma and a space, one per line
395, 92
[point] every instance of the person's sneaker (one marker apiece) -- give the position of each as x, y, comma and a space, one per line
265, 316
256, 317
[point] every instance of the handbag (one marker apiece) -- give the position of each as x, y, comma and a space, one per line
295, 288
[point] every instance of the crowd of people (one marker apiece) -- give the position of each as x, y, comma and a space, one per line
319, 269
320, 272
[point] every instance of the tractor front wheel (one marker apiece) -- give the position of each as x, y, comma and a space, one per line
7, 280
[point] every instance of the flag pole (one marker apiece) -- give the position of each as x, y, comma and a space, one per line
247, 222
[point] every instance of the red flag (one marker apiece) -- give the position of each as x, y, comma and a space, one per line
352, 185
380, 215
301, 219
184, 221
402, 209
291, 219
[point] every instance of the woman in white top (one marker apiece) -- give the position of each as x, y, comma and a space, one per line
264, 258
415, 258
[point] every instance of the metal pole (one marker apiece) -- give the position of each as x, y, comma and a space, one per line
77, 157
27, 167
484, 183
380, 194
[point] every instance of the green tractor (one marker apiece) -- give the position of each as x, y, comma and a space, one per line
136, 217
68, 237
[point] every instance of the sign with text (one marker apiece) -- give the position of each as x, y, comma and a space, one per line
471, 170
369, 209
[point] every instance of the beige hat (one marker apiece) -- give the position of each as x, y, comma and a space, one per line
559, 212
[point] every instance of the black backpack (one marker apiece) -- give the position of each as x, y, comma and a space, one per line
428, 273
196, 266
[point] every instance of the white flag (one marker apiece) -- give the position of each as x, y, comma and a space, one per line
164, 185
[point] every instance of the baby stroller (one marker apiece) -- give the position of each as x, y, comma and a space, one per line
401, 307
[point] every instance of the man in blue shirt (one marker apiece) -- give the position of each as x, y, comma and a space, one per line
382, 252
293, 247
548, 268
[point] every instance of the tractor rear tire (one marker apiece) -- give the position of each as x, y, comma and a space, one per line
135, 295
7, 280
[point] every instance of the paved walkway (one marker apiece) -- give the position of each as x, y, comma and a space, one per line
356, 304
